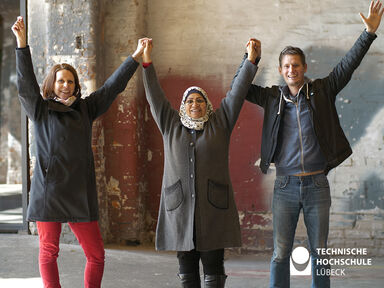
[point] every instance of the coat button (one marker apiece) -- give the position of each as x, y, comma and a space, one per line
191, 144
191, 175
191, 160
193, 195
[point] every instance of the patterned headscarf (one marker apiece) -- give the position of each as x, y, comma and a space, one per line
189, 122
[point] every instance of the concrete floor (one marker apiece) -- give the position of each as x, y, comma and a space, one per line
142, 267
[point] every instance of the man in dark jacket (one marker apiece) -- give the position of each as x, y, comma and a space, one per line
303, 137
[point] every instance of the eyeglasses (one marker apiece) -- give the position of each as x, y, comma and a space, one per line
198, 101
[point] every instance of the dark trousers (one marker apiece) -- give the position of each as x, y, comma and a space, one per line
213, 261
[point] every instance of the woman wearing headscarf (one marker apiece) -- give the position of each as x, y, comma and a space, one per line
63, 187
198, 217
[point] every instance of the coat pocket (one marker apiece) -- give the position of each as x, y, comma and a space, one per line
218, 194
173, 196
50, 170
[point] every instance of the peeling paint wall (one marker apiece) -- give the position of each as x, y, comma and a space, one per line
202, 43
124, 150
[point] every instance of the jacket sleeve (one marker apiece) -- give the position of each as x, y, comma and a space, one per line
161, 109
255, 93
232, 103
29, 90
99, 101
342, 73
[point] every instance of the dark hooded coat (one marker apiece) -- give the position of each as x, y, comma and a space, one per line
63, 187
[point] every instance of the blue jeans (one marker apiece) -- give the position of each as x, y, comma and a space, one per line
291, 194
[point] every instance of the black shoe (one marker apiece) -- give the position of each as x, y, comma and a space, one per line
190, 280
214, 281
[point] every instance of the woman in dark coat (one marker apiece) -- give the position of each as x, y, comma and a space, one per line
198, 215
63, 187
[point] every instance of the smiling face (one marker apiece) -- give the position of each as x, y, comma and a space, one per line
195, 106
64, 84
292, 69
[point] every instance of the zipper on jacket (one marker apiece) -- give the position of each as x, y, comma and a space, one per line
299, 125
300, 136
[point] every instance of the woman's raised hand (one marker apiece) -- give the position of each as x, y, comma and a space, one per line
19, 30
140, 48
253, 49
147, 51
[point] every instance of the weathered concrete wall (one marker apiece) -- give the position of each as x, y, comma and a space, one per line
201, 43
124, 146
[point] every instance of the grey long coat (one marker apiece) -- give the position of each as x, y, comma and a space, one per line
63, 187
196, 188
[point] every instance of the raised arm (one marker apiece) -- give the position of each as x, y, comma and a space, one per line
254, 93
232, 103
161, 109
342, 73
18, 28
253, 50
28, 88
372, 22
148, 46
100, 100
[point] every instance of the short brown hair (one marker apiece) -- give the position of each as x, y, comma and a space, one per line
49, 81
290, 50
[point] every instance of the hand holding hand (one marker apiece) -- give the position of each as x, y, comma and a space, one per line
147, 51
253, 49
18, 28
372, 22
140, 48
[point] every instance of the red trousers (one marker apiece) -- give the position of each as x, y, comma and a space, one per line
89, 237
